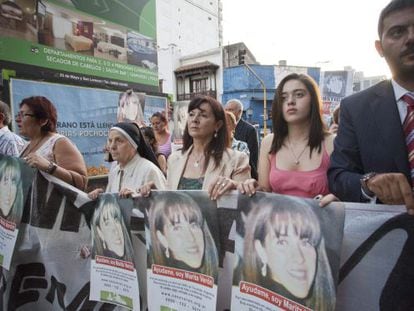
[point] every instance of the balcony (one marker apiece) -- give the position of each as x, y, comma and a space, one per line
190, 96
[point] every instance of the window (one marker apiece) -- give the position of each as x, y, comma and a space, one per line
198, 85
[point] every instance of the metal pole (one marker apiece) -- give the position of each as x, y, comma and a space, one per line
264, 99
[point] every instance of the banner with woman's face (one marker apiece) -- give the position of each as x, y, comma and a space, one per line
112, 255
15, 181
283, 255
183, 248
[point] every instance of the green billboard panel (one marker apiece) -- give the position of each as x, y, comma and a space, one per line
107, 39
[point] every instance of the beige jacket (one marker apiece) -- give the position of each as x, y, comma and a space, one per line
234, 165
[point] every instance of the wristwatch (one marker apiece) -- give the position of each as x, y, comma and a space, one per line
364, 183
51, 168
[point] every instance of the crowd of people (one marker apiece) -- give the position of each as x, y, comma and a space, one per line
366, 155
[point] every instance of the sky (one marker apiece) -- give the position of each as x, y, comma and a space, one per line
329, 34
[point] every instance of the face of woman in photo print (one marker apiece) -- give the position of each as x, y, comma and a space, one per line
110, 231
183, 237
291, 260
8, 188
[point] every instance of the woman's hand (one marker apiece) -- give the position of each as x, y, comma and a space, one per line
248, 187
125, 193
325, 200
145, 189
93, 195
37, 161
219, 186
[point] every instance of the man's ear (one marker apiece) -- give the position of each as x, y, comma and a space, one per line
162, 239
378, 47
2, 118
260, 251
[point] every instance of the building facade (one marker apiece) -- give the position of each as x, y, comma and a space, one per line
185, 27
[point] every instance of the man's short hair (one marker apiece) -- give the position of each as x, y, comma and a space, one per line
5, 110
393, 6
238, 102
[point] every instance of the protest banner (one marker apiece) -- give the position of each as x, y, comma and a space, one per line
286, 256
15, 181
49, 272
182, 251
85, 115
113, 274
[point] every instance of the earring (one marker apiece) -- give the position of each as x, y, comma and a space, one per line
264, 270
167, 253
215, 134
104, 244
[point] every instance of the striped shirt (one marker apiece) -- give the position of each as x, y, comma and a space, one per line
10, 143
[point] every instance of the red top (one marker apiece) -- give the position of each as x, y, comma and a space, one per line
307, 184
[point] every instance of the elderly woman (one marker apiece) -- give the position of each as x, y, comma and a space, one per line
137, 164
231, 128
48, 151
284, 251
205, 162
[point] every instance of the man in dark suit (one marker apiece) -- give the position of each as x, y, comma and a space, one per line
245, 132
370, 161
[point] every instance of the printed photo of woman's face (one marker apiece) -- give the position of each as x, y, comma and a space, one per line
291, 259
184, 240
8, 189
110, 232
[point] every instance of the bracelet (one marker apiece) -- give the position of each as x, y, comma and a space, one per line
51, 168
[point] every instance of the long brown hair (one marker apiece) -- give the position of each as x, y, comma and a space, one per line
317, 126
218, 144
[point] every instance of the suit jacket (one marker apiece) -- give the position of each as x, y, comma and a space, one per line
234, 165
370, 139
246, 132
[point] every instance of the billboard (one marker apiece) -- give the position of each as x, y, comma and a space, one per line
82, 40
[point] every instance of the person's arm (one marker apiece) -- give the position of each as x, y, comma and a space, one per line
264, 163
346, 168
241, 170
162, 161
71, 166
250, 186
240, 173
155, 178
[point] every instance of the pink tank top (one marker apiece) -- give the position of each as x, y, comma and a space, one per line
307, 184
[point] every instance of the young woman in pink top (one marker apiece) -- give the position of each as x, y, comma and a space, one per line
294, 160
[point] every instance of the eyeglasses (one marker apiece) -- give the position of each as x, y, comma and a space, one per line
21, 115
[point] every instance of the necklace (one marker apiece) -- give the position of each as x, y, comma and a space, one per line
297, 162
197, 161
31, 148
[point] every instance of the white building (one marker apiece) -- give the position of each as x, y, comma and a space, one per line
361, 82
200, 74
185, 27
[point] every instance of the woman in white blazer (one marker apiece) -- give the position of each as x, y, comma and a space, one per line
204, 162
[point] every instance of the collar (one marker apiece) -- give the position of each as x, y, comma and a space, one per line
4, 129
399, 91
131, 163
